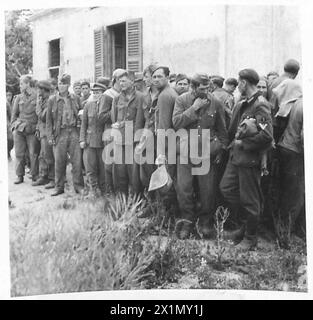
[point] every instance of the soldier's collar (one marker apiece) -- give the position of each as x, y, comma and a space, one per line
253, 97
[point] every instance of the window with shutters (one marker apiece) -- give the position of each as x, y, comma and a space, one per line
118, 46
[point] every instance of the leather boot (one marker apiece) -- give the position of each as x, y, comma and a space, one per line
40, 182
20, 179
57, 192
50, 185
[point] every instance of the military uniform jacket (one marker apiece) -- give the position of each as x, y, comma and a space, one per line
92, 127
24, 117
55, 114
211, 116
248, 154
128, 110
41, 111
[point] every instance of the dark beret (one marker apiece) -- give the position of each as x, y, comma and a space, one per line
292, 66
44, 84
250, 75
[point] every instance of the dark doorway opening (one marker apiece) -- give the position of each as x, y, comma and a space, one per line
117, 46
54, 53
54, 58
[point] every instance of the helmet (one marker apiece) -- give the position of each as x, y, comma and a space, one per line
160, 180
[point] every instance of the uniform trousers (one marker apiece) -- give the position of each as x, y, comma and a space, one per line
192, 188
46, 160
68, 143
94, 167
241, 186
22, 142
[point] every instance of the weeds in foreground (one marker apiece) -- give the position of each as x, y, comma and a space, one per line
80, 250
102, 245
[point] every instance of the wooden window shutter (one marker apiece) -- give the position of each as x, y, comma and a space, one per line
99, 52
134, 45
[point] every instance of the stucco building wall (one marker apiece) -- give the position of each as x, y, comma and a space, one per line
213, 39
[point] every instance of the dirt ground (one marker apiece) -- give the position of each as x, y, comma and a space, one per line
25, 195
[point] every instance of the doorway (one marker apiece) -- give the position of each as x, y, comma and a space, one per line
117, 46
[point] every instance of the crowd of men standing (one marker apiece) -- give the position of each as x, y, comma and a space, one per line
256, 142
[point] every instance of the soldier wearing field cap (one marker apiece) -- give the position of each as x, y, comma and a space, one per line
46, 157
198, 110
23, 123
240, 184
230, 86
91, 141
63, 133
223, 96
182, 83
77, 88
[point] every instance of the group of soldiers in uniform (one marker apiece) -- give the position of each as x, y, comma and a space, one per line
249, 132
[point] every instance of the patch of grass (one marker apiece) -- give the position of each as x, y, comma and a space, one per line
85, 249
81, 245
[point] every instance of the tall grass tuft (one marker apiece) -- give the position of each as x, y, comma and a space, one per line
85, 246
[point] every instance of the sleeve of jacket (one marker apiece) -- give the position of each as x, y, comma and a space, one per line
83, 128
166, 104
221, 131
49, 120
264, 124
183, 116
105, 109
15, 110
